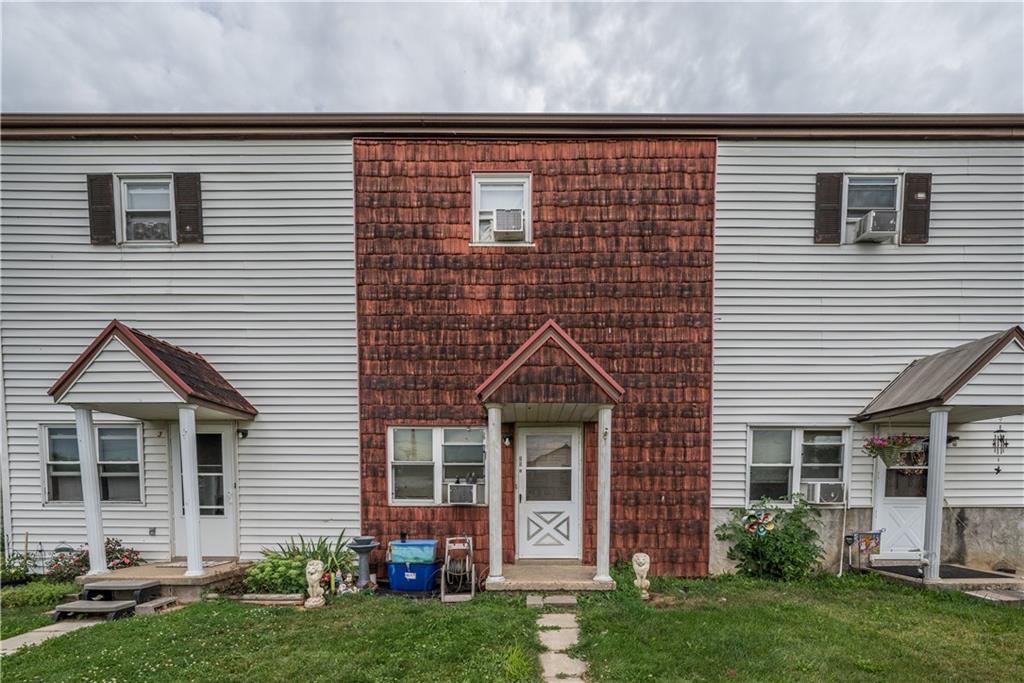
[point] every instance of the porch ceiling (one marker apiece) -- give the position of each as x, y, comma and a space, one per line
553, 413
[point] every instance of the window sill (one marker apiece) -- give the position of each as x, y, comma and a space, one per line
147, 245
430, 504
503, 244
72, 504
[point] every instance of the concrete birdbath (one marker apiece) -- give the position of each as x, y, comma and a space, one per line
362, 546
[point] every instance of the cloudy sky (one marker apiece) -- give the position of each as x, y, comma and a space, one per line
693, 57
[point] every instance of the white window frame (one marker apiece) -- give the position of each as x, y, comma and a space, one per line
847, 232
121, 208
44, 461
437, 461
504, 178
796, 456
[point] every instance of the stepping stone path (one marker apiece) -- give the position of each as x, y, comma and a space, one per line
558, 632
9, 645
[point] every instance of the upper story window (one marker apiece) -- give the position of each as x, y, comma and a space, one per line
118, 456
785, 461
147, 214
501, 209
424, 461
872, 208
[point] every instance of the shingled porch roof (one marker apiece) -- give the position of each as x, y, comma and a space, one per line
551, 333
934, 380
186, 373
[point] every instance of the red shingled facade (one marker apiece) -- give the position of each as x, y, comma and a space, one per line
622, 260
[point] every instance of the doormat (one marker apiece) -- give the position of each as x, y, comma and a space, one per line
206, 564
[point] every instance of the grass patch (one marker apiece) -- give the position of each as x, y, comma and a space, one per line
355, 639
859, 628
23, 607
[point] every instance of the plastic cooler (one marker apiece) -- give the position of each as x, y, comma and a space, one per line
412, 567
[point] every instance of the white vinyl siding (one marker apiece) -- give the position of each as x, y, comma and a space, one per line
808, 334
116, 375
1001, 379
268, 299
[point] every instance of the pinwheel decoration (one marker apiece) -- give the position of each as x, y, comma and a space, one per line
759, 524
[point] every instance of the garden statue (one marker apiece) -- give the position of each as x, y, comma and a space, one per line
314, 572
642, 565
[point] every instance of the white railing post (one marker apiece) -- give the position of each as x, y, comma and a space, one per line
604, 494
89, 472
190, 488
495, 567
937, 430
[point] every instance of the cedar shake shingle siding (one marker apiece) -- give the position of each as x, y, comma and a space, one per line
622, 259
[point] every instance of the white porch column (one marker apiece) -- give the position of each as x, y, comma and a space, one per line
604, 493
938, 428
190, 488
495, 568
91, 491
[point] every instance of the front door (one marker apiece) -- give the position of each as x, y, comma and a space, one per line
901, 493
549, 517
215, 451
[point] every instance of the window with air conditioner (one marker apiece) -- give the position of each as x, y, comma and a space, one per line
501, 209
436, 465
872, 208
808, 461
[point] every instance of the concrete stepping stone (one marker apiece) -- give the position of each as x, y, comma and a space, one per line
556, 666
560, 601
534, 601
558, 620
39, 635
560, 640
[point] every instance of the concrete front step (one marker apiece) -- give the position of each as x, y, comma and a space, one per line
152, 606
1013, 598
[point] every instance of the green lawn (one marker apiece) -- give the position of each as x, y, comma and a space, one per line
858, 628
24, 607
356, 638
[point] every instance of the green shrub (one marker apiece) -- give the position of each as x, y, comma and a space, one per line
15, 568
277, 575
770, 542
334, 553
66, 566
36, 594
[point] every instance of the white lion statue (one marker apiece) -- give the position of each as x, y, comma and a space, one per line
642, 565
314, 571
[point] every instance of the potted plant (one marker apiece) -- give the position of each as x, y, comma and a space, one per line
889, 448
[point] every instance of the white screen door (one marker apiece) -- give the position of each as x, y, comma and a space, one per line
549, 517
901, 494
215, 451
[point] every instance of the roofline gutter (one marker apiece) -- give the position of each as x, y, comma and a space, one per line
36, 126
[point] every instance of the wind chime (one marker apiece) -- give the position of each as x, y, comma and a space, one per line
999, 444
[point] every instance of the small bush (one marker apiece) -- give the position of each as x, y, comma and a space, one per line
66, 566
770, 542
15, 568
277, 575
36, 594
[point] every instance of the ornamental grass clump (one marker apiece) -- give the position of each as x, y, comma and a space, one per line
771, 542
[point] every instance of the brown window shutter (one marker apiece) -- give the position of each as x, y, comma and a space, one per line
917, 207
102, 228
828, 209
188, 207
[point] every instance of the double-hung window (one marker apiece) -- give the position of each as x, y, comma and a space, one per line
782, 459
147, 214
422, 461
866, 193
118, 451
501, 209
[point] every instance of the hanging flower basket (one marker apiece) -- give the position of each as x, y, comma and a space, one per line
888, 448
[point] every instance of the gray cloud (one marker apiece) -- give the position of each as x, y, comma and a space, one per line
815, 57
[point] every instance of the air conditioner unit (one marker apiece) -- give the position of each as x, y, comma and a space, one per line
461, 494
509, 225
876, 226
824, 492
